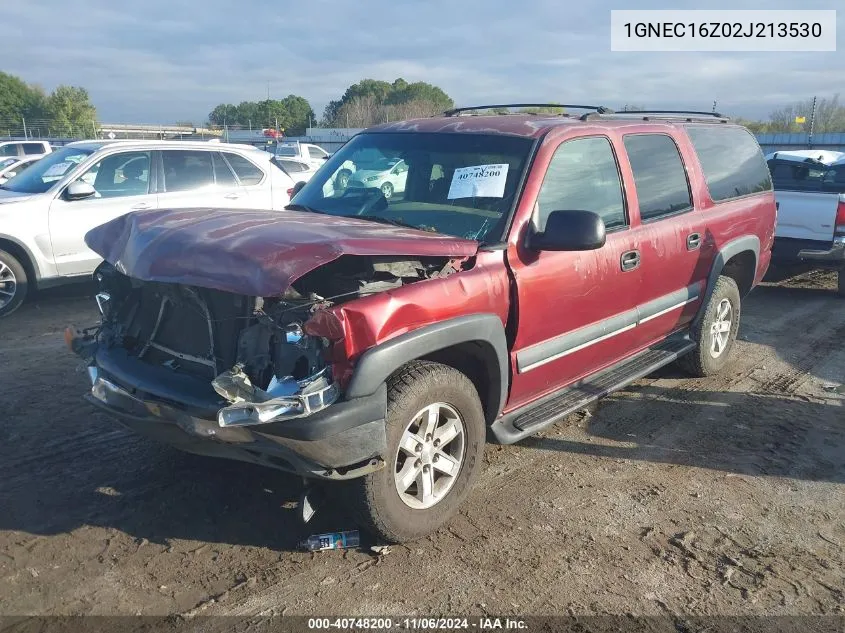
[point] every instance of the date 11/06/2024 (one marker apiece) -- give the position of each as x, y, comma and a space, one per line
417, 624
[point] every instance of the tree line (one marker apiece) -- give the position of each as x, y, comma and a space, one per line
68, 110
28, 108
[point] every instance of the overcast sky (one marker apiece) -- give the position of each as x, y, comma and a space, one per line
167, 60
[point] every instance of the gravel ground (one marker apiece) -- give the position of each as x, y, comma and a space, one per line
710, 496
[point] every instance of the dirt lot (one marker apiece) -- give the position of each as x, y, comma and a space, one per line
716, 496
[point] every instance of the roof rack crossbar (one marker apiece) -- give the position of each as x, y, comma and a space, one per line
599, 109
664, 114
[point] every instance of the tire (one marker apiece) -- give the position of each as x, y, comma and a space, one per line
710, 357
375, 499
840, 284
387, 190
12, 280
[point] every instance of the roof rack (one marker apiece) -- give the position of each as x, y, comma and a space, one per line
598, 109
669, 115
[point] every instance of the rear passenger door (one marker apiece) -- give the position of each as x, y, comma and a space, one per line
253, 182
669, 240
198, 179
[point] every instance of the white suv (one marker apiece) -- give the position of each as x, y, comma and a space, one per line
23, 149
46, 210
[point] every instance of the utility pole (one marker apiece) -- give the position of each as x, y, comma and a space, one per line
812, 124
714, 107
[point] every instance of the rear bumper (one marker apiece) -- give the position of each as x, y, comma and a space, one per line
833, 256
346, 440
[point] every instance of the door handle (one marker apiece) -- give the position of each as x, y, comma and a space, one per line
630, 260
693, 241
141, 205
232, 196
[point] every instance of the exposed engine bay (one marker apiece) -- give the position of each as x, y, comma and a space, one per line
253, 351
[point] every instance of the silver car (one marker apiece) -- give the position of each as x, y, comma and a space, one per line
46, 210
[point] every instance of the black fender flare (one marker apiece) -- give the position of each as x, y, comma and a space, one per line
732, 248
379, 362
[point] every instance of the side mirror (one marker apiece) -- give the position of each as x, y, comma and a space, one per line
297, 188
79, 190
569, 231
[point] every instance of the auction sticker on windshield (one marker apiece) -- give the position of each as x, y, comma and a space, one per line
58, 169
479, 181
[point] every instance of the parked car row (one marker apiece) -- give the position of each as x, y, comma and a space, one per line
46, 210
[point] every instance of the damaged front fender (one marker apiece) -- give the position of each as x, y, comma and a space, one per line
285, 399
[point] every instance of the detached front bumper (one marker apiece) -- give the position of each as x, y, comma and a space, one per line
342, 441
834, 256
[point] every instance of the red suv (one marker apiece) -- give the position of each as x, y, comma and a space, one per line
523, 266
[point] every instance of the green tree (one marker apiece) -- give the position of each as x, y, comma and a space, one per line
292, 114
374, 101
20, 101
224, 114
71, 111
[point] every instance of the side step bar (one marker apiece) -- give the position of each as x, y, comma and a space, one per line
541, 414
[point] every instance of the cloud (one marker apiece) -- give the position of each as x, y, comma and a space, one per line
140, 67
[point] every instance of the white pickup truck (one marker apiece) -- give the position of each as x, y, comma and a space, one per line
810, 192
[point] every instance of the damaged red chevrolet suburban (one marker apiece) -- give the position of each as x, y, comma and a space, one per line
438, 281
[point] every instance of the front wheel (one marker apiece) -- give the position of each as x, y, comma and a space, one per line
13, 284
435, 446
716, 331
387, 190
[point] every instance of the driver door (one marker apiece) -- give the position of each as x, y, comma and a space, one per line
116, 194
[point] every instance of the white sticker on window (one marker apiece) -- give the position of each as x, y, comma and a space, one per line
57, 170
479, 181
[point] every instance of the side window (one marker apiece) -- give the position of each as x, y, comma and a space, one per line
248, 173
659, 176
732, 161
222, 174
186, 170
120, 175
9, 150
33, 148
790, 175
583, 175
314, 153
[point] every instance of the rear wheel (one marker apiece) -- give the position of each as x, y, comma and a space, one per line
13, 284
716, 331
435, 445
387, 190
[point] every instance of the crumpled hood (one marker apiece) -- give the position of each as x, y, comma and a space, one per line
257, 253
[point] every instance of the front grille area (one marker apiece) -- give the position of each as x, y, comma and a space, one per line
185, 329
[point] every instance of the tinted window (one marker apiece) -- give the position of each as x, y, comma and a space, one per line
9, 150
790, 175
659, 175
33, 148
222, 174
292, 166
120, 175
583, 175
732, 162
247, 173
186, 170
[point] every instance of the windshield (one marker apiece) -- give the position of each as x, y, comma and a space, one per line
457, 184
42, 175
287, 150
6, 162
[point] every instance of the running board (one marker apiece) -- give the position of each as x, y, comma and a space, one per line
537, 416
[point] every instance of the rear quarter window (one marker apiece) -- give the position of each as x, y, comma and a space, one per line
731, 160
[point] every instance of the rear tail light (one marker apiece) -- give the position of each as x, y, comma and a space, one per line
839, 228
